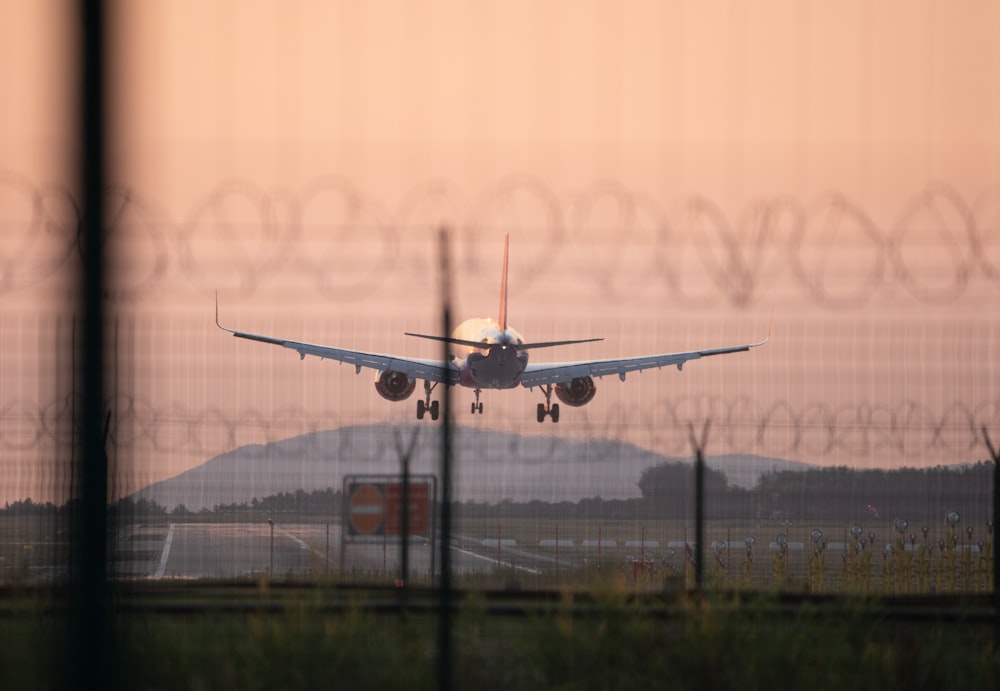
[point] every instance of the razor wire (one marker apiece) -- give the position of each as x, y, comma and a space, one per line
775, 428
346, 243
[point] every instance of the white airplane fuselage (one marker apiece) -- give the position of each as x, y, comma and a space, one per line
498, 364
488, 354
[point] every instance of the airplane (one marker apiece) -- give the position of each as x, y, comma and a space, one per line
490, 355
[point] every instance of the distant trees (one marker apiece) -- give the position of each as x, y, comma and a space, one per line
667, 489
677, 479
27, 507
320, 501
129, 507
911, 493
668, 492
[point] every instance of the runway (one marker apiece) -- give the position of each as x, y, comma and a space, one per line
294, 550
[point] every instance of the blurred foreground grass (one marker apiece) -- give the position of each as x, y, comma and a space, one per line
266, 638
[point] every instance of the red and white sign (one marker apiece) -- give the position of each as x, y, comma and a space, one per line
374, 505
419, 508
366, 509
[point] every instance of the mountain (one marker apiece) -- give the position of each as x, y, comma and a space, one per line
487, 467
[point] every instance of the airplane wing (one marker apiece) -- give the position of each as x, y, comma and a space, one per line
551, 373
429, 370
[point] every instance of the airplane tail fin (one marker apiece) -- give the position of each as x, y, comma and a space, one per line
502, 319
502, 316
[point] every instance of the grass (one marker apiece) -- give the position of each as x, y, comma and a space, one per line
815, 619
298, 638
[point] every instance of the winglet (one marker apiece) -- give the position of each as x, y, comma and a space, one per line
502, 316
217, 323
770, 327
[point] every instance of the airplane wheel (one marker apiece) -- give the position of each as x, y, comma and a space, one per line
480, 407
541, 412
473, 408
555, 412
420, 410
435, 410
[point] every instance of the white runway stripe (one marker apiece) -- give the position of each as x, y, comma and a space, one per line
166, 553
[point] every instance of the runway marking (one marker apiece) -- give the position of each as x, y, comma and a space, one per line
165, 555
497, 562
299, 542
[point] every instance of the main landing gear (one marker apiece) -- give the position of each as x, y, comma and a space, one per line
477, 407
426, 405
548, 408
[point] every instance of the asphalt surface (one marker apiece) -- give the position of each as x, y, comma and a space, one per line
238, 550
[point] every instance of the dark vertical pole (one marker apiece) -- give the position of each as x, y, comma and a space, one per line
404, 576
270, 563
444, 632
699, 505
344, 527
404, 509
89, 559
699, 519
996, 528
557, 552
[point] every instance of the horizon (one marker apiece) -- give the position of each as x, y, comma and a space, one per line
284, 459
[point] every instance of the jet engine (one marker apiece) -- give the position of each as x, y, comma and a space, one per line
577, 392
394, 386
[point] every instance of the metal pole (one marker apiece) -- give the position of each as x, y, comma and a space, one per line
404, 567
996, 527
444, 630
90, 625
699, 520
270, 568
699, 504
404, 509
598, 548
557, 551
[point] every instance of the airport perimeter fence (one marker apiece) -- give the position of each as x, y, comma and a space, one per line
882, 358
876, 475
914, 389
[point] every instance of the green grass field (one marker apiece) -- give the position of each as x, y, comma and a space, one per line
259, 637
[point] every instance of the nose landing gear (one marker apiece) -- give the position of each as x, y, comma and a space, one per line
477, 407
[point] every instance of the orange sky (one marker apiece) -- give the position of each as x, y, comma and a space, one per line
670, 174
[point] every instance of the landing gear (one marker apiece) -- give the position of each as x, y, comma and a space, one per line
477, 407
433, 408
426, 405
548, 408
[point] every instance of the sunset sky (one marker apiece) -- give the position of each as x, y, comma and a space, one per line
671, 175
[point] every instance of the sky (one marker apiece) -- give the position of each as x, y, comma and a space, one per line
671, 175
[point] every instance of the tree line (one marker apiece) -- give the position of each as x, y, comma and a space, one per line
667, 492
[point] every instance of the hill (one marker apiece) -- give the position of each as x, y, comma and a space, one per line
489, 466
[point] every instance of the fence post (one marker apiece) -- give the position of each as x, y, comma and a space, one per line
444, 623
996, 510
90, 620
699, 503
